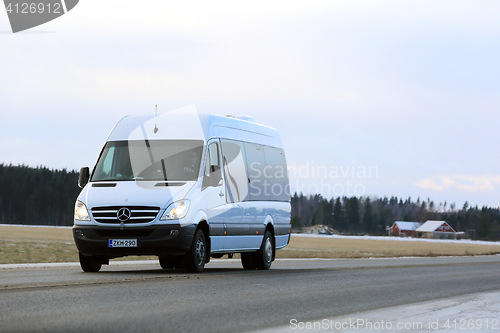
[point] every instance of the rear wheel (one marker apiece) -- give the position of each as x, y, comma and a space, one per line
197, 255
264, 257
89, 263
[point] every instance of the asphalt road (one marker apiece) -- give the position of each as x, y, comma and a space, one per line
225, 298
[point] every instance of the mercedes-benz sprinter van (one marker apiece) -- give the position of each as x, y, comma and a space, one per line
185, 187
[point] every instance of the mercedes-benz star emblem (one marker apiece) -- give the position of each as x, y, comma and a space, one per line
123, 214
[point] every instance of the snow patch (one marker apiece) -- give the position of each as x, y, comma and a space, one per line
402, 239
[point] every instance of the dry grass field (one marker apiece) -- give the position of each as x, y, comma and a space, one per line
19, 245
46, 244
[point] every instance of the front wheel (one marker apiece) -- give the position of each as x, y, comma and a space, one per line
248, 260
89, 264
170, 262
197, 255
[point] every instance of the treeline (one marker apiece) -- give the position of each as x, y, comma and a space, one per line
365, 215
37, 196
41, 196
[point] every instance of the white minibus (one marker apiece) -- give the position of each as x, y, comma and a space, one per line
185, 187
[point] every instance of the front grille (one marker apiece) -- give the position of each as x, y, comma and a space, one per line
139, 214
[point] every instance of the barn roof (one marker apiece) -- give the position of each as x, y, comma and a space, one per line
431, 226
402, 225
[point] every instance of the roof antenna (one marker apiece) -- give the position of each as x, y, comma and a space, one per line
156, 114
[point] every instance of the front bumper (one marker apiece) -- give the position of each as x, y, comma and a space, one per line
151, 240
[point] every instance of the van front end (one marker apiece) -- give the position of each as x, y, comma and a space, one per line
132, 218
134, 203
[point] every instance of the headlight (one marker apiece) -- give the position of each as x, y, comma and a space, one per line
81, 212
176, 210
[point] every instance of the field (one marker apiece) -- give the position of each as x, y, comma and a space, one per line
48, 244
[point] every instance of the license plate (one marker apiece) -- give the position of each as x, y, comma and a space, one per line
123, 243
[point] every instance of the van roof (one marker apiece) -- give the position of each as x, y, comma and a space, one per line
193, 126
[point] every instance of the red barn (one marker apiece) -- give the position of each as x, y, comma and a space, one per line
404, 229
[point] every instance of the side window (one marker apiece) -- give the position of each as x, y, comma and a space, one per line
212, 174
277, 174
258, 186
104, 168
233, 161
212, 158
108, 161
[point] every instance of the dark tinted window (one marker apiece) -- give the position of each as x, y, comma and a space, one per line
233, 161
256, 163
254, 172
277, 174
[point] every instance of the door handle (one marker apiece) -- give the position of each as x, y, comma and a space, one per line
221, 194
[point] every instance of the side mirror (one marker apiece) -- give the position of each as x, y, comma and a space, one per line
84, 176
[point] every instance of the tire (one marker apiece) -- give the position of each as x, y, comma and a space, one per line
89, 264
170, 262
195, 259
264, 257
248, 260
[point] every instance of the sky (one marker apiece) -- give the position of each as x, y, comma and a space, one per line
371, 98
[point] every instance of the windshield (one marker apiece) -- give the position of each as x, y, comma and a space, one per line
149, 160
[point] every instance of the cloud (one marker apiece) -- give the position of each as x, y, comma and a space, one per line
484, 183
